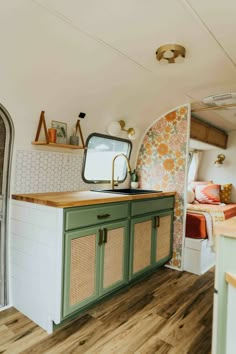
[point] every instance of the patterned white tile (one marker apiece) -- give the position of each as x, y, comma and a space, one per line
39, 171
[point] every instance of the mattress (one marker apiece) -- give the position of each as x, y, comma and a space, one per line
196, 223
195, 226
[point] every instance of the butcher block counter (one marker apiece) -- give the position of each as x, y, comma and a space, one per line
73, 199
226, 228
69, 250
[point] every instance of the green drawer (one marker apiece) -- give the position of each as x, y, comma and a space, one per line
86, 216
153, 205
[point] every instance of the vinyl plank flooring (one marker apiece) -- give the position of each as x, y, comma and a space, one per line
169, 312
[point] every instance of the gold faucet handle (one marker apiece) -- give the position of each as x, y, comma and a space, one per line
116, 183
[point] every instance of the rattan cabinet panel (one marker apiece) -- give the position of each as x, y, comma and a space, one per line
151, 242
141, 245
80, 270
163, 239
114, 256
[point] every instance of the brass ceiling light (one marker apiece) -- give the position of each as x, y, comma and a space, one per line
170, 53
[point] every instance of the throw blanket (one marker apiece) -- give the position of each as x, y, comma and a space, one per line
212, 214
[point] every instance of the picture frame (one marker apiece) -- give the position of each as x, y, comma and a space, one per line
61, 128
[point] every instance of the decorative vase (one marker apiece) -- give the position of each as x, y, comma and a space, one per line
134, 184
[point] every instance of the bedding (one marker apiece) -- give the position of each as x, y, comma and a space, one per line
202, 217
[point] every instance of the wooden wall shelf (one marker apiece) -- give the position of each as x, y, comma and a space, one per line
65, 146
42, 123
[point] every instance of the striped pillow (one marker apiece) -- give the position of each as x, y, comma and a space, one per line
208, 194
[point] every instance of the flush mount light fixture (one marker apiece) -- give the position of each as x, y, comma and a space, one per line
219, 160
170, 53
115, 127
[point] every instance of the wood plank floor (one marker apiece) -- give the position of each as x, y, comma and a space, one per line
169, 312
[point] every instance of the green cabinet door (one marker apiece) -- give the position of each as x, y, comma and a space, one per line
114, 256
141, 245
81, 269
163, 237
96, 261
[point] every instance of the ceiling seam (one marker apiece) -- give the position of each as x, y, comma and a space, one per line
87, 34
186, 2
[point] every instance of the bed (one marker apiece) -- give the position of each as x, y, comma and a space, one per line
196, 225
208, 204
199, 249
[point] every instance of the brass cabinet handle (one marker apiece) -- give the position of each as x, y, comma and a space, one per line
105, 235
156, 221
100, 237
103, 216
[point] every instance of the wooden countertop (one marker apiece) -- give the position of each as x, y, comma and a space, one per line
226, 228
231, 279
71, 199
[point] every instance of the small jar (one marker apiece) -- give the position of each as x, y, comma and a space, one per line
74, 140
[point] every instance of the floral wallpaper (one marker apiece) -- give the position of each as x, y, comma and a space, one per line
161, 165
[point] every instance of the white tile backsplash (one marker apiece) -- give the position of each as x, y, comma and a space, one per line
43, 171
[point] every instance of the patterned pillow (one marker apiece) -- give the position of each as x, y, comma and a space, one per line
193, 184
208, 194
225, 193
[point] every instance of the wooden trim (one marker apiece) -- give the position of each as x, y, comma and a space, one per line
70, 199
42, 122
65, 146
230, 279
80, 132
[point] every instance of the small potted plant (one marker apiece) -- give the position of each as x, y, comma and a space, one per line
134, 179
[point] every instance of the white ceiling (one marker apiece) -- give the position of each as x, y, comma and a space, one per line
102, 55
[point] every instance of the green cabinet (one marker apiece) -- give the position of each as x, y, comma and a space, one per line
107, 245
114, 257
141, 233
163, 237
151, 241
95, 263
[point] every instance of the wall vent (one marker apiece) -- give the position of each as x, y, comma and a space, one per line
220, 100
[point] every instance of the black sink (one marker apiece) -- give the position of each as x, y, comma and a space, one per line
128, 191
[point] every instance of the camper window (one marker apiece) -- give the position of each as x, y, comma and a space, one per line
101, 149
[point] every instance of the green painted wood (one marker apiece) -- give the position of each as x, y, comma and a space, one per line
226, 249
148, 206
87, 216
125, 226
134, 221
155, 237
69, 236
76, 218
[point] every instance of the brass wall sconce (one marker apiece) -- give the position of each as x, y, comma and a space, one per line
115, 127
219, 160
170, 53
